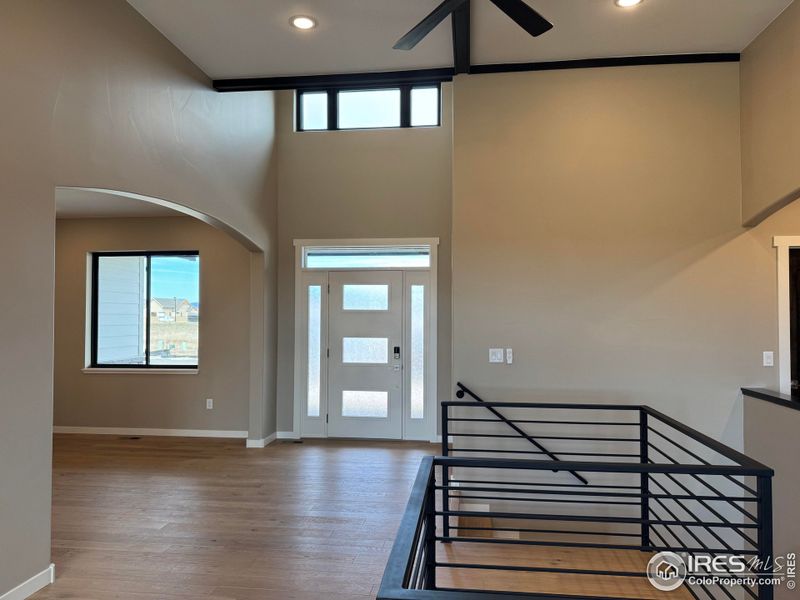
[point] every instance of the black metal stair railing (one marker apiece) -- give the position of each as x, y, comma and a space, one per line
654, 485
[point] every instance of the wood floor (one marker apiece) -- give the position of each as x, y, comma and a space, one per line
176, 518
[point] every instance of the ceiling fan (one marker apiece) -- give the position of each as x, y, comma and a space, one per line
518, 10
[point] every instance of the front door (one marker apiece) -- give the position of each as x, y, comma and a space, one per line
365, 377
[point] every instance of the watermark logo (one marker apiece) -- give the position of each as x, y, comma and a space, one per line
666, 571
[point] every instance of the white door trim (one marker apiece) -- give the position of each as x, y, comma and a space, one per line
303, 276
783, 243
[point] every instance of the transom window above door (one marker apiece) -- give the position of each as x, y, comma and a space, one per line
367, 257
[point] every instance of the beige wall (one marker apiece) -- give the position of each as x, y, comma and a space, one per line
596, 231
360, 184
770, 436
155, 401
99, 99
770, 70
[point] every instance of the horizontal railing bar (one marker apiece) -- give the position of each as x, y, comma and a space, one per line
706, 484
734, 526
581, 518
703, 461
603, 454
528, 483
551, 405
719, 447
543, 422
602, 467
603, 546
546, 437
683, 506
540, 569
709, 530
459, 488
559, 500
471, 594
417, 569
538, 543
558, 531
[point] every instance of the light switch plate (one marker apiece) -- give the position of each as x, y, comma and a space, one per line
495, 355
510, 356
769, 359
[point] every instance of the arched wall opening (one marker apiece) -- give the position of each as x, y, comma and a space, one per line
233, 348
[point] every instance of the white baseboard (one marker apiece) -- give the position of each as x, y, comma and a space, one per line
33, 585
199, 433
262, 443
288, 435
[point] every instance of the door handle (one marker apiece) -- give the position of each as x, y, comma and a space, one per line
397, 352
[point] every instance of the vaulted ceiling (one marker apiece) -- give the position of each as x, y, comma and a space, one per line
253, 38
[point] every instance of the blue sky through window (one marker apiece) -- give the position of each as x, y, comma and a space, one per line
175, 277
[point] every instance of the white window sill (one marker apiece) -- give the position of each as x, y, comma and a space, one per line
93, 371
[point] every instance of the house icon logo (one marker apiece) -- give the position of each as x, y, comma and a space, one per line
666, 571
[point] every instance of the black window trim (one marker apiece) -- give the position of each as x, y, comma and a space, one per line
333, 105
148, 254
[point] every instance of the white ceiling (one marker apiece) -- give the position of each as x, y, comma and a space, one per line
72, 203
252, 38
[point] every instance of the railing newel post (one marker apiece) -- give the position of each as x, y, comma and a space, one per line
445, 471
644, 480
764, 489
430, 532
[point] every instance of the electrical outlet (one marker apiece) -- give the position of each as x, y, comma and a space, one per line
510, 356
769, 359
209, 403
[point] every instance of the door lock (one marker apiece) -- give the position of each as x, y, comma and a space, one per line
397, 352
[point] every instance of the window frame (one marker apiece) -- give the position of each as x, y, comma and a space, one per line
333, 105
93, 332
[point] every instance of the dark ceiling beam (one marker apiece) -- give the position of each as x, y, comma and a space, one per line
428, 24
343, 80
421, 76
461, 38
621, 61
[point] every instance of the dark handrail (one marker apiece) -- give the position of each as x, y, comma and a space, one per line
606, 467
507, 404
400, 560
465, 390
715, 445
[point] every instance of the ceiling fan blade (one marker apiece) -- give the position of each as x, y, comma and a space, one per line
424, 27
524, 16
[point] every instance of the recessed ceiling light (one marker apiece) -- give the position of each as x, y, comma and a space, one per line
627, 3
303, 22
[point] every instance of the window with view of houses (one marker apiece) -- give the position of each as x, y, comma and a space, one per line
145, 309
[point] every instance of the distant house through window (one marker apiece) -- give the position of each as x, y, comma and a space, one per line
145, 309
